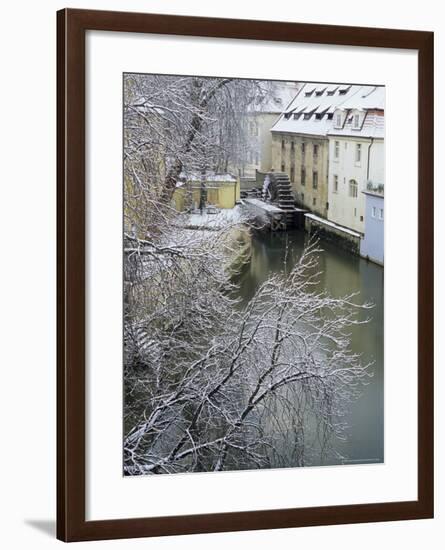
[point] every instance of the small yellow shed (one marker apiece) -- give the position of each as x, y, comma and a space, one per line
223, 191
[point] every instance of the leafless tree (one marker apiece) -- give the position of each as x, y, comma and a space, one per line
222, 388
211, 385
186, 124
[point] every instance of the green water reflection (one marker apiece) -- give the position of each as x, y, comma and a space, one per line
342, 273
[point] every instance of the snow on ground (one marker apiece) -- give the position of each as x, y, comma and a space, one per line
322, 221
196, 228
221, 218
263, 205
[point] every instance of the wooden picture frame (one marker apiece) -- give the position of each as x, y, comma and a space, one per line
72, 25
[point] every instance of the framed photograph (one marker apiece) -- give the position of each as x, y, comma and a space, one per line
245, 275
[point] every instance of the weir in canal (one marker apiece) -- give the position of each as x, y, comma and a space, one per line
341, 273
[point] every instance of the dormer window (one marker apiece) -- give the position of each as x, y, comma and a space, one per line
287, 116
307, 116
338, 120
356, 122
297, 116
331, 91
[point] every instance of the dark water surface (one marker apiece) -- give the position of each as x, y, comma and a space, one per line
342, 273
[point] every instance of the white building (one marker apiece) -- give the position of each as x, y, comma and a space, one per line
300, 144
356, 155
262, 116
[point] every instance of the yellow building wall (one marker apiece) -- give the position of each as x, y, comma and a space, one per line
224, 195
292, 158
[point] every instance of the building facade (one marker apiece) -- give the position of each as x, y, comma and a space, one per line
372, 245
221, 191
356, 156
261, 118
300, 143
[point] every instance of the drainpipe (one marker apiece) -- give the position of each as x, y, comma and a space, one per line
369, 154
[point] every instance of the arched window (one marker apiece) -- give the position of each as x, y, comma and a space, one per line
353, 189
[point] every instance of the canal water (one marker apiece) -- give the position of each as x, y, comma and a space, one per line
341, 274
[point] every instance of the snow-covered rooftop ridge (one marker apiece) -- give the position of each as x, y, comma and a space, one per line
311, 111
210, 176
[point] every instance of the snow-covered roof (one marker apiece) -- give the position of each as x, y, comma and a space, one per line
371, 101
210, 177
369, 97
311, 111
373, 126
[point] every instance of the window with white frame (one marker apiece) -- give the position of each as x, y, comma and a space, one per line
356, 122
338, 120
358, 152
381, 213
336, 149
353, 189
374, 212
335, 183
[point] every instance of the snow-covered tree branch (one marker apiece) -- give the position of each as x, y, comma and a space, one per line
212, 384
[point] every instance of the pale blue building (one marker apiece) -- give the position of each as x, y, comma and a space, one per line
372, 244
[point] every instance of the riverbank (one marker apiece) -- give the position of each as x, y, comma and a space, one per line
232, 226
